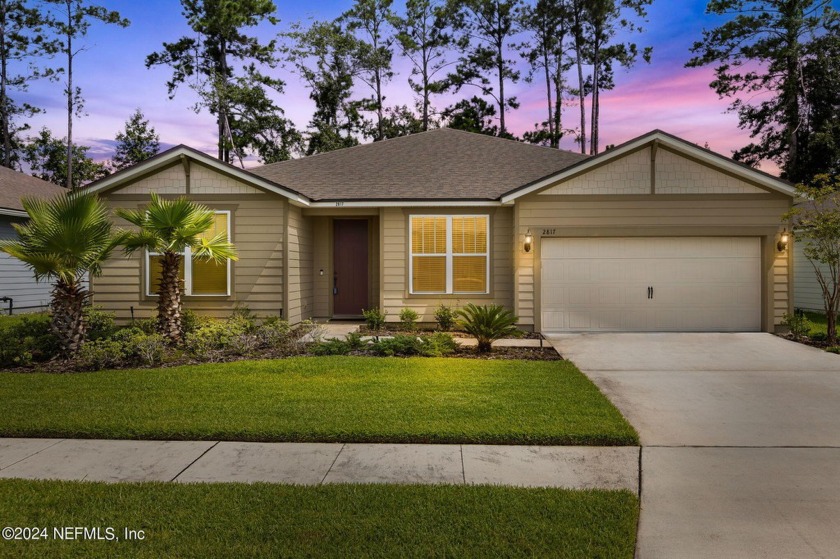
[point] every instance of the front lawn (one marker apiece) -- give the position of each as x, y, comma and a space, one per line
326, 399
264, 520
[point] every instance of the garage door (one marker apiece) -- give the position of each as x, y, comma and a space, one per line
653, 284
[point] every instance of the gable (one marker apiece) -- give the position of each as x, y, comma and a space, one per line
173, 180
627, 175
676, 174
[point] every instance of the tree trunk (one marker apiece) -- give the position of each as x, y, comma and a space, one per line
7, 141
169, 298
501, 67
67, 309
225, 133
551, 132
70, 95
380, 130
596, 95
831, 328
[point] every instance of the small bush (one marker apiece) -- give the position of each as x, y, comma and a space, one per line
211, 340
374, 318
26, 339
819, 336
333, 346
408, 319
834, 349
487, 323
101, 354
798, 324
438, 344
274, 333
147, 325
190, 321
445, 317
402, 345
355, 341
100, 323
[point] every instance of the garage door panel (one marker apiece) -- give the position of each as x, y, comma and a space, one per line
700, 284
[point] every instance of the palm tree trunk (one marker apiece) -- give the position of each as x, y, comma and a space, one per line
169, 298
68, 321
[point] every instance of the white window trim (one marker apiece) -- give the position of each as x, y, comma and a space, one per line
188, 266
449, 256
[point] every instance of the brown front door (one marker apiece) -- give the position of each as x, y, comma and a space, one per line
350, 266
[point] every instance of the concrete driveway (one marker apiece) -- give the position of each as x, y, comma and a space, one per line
740, 435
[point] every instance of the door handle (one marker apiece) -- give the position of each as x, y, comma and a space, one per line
650, 293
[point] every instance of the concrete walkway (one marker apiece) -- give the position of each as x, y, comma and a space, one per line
740, 440
317, 463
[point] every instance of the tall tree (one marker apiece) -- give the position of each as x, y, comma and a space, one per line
137, 142
324, 57
472, 115
47, 158
580, 48
424, 39
245, 114
169, 227
402, 121
606, 18
371, 19
66, 238
486, 28
71, 23
760, 54
548, 24
23, 40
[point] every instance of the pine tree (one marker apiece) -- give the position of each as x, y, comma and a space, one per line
136, 143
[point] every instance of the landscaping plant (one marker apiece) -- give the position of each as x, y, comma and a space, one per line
66, 238
374, 318
798, 324
408, 319
445, 317
168, 228
487, 323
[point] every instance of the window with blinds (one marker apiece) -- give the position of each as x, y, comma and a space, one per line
449, 254
199, 277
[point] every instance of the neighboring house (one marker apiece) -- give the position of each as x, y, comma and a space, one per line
807, 294
654, 235
16, 280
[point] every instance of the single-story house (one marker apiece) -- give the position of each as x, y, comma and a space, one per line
656, 234
807, 293
18, 288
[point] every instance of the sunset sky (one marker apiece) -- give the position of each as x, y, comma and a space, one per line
114, 81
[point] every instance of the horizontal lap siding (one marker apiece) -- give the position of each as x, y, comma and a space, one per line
299, 266
257, 276
394, 261
807, 293
648, 215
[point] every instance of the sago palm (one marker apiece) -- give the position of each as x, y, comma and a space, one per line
65, 238
169, 227
487, 323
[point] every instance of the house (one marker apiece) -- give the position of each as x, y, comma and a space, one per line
807, 293
656, 234
18, 289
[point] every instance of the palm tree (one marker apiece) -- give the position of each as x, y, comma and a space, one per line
65, 238
169, 227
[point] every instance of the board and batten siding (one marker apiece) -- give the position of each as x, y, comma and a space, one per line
395, 289
691, 210
807, 294
258, 231
16, 280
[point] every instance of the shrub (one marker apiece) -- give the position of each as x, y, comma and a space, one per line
100, 323
438, 344
819, 336
487, 323
101, 354
274, 333
212, 339
408, 319
401, 344
333, 346
147, 325
834, 349
190, 321
445, 317
374, 318
798, 324
26, 339
355, 341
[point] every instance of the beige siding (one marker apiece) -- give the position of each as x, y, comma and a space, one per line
257, 277
807, 293
204, 180
321, 260
166, 181
395, 294
299, 266
677, 175
559, 216
627, 175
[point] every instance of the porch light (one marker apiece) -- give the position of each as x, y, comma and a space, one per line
528, 241
783, 241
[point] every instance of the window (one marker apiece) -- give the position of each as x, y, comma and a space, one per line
200, 277
449, 254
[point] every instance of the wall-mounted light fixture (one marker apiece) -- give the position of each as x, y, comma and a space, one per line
783, 241
529, 239
321, 272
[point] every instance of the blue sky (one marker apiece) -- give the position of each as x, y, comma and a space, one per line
114, 81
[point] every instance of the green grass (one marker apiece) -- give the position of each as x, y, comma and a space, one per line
262, 520
327, 399
818, 323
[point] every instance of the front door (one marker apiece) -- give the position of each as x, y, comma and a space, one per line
350, 266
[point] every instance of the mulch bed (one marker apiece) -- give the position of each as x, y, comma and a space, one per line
546, 353
820, 344
394, 330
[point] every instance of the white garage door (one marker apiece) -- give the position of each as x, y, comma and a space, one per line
653, 284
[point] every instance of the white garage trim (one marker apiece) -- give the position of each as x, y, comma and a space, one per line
638, 284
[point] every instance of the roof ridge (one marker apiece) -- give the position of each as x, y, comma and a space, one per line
515, 141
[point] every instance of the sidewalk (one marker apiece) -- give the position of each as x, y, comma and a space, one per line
317, 463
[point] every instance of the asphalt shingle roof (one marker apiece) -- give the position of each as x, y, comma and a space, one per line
441, 164
14, 185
